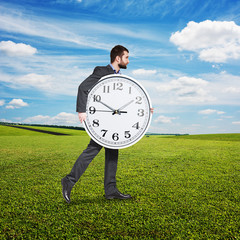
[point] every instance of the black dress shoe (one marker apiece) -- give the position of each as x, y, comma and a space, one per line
118, 195
66, 190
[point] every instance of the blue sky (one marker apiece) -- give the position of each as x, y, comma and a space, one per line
186, 53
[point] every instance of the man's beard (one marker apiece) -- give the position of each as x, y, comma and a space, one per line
122, 66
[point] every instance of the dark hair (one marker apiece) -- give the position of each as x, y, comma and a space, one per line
117, 51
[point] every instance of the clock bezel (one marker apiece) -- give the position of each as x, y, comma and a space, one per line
113, 146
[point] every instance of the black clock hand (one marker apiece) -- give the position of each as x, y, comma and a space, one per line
113, 110
103, 111
118, 112
125, 105
109, 111
92, 111
107, 106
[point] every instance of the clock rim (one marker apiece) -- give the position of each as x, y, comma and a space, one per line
149, 119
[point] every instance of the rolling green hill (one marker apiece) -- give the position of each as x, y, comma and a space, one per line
183, 187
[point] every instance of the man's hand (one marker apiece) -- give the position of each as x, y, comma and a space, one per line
152, 109
82, 116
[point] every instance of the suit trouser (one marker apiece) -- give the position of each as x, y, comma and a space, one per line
81, 164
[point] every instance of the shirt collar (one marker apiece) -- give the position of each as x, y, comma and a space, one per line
119, 72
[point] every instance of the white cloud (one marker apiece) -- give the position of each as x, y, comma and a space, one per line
67, 118
31, 25
236, 123
164, 119
143, 72
186, 90
232, 90
224, 88
215, 41
2, 102
43, 82
167, 88
10, 107
16, 103
62, 118
79, 33
217, 66
37, 119
17, 49
210, 111
63, 80
5, 120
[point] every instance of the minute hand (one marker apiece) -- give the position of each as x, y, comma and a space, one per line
125, 105
107, 106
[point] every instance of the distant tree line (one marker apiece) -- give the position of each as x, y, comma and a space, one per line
170, 134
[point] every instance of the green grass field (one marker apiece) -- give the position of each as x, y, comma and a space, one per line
183, 187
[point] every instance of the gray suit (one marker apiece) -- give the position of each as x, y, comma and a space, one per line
93, 148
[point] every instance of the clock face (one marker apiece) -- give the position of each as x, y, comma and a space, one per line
118, 112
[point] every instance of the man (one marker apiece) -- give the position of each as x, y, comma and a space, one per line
119, 59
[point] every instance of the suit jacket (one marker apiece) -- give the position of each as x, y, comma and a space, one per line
87, 84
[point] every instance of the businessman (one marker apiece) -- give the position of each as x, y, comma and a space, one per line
119, 57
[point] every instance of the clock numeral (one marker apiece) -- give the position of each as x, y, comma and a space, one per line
140, 112
95, 123
117, 86
104, 132
115, 137
127, 134
130, 90
96, 98
92, 110
106, 89
136, 125
139, 100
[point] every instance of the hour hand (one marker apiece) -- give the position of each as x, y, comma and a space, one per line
118, 112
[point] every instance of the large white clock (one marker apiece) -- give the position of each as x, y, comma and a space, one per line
118, 111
